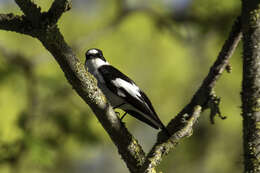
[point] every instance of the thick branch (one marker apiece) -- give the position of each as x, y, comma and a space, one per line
86, 86
82, 81
58, 7
251, 85
201, 98
20, 24
31, 11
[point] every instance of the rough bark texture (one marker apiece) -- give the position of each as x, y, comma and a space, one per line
86, 87
43, 26
204, 98
164, 145
251, 84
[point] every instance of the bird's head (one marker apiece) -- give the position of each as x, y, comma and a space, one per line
94, 53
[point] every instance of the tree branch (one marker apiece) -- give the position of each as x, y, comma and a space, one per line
86, 86
19, 24
30, 9
205, 93
83, 83
250, 94
180, 125
58, 7
184, 129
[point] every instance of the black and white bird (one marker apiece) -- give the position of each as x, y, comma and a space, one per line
120, 90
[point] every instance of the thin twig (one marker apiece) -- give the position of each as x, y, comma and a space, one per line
161, 148
86, 87
201, 98
205, 91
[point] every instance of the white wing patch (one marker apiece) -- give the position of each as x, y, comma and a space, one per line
131, 88
120, 93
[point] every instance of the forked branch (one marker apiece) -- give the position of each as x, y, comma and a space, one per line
201, 100
42, 25
83, 82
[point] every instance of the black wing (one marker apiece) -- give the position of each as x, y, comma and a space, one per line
128, 90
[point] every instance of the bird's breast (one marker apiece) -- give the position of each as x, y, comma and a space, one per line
91, 66
112, 98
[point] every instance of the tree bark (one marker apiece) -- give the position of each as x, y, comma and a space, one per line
43, 26
251, 84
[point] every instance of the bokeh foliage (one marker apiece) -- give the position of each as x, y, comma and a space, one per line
46, 127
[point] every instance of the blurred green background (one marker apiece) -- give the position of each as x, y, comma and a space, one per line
166, 46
